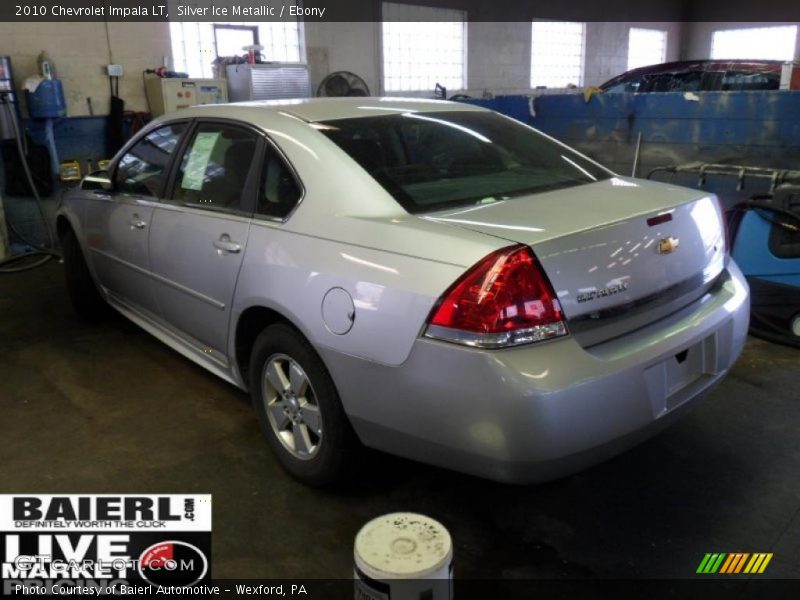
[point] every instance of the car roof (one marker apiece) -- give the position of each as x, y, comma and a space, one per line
329, 109
754, 66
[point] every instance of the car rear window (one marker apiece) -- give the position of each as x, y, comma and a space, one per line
437, 160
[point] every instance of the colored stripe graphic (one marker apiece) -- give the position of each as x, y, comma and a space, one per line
711, 563
703, 563
758, 563
734, 563
741, 562
726, 565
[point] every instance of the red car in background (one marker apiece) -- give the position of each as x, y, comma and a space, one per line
699, 76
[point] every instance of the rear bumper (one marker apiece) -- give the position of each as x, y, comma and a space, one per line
538, 412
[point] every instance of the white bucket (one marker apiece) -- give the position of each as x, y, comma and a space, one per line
403, 556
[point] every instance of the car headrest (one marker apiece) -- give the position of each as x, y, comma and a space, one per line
368, 153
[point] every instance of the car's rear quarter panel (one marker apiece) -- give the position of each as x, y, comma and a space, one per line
393, 293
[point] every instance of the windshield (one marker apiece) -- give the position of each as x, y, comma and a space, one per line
430, 161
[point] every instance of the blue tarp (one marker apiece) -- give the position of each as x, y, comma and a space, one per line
753, 128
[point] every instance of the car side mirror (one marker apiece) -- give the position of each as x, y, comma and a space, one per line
98, 181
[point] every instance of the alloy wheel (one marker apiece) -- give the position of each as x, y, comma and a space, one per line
291, 406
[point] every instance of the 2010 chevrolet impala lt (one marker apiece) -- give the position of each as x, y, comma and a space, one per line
427, 278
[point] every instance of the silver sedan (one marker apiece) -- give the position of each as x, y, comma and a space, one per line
430, 279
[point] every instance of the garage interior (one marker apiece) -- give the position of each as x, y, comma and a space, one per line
106, 408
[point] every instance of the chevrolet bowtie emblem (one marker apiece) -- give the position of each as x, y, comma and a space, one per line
668, 245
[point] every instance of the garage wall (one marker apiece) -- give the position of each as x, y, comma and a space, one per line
498, 53
697, 36
81, 51
607, 47
343, 47
498, 57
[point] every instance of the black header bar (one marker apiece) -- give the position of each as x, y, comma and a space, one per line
779, 11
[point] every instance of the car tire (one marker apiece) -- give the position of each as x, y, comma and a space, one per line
83, 293
289, 417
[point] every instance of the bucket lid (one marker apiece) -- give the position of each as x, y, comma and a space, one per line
402, 546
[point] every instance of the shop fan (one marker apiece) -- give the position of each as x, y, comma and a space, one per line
342, 83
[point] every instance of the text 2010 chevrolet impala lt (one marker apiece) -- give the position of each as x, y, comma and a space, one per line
430, 279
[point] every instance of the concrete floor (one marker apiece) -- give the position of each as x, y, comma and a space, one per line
107, 408
25, 215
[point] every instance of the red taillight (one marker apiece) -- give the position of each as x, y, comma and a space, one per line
504, 300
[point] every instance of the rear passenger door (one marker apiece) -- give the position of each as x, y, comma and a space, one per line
279, 188
200, 231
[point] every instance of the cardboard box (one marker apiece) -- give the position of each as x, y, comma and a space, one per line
790, 76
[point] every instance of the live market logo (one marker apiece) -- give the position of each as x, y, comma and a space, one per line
104, 543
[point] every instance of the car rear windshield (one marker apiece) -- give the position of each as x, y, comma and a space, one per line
436, 160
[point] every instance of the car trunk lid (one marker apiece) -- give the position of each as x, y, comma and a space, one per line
612, 249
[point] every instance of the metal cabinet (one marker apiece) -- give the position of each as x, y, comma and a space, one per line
166, 95
275, 81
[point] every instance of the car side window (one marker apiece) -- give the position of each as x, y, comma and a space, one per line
279, 192
142, 169
686, 81
746, 80
213, 170
628, 86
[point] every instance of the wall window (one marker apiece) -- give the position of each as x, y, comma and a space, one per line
646, 47
765, 43
423, 46
195, 46
229, 40
557, 53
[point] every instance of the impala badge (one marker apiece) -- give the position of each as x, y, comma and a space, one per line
668, 245
616, 288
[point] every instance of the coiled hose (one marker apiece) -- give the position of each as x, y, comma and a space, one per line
41, 254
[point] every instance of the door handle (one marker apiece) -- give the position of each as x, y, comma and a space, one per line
226, 246
137, 223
